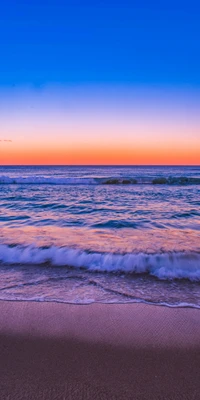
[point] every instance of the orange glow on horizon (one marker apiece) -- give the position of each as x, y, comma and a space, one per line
100, 155
74, 131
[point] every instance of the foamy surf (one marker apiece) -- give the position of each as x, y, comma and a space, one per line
100, 234
142, 180
172, 265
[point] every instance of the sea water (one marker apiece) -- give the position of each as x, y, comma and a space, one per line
82, 234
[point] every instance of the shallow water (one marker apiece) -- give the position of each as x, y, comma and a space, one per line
111, 234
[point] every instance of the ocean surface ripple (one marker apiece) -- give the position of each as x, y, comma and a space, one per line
110, 234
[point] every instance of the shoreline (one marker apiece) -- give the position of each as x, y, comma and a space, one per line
98, 351
115, 303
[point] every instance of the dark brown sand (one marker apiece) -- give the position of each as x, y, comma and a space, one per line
134, 351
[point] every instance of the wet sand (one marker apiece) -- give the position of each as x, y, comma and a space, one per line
99, 351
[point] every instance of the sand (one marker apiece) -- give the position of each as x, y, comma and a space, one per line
99, 351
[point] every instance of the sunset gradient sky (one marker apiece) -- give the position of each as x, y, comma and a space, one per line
99, 82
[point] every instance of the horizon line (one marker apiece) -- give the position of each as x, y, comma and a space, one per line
99, 165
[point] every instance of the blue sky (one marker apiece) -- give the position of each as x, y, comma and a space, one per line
99, 82
144, 43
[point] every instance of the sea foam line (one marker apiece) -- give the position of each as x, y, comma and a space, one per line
42, 180
172, 265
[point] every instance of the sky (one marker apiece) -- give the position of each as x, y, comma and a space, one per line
99, 82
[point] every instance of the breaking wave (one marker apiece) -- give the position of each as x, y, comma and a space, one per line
42, 180
172, 265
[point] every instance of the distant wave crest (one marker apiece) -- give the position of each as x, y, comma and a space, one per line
172, 265
42, 180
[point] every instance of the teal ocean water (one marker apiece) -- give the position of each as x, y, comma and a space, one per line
100, 234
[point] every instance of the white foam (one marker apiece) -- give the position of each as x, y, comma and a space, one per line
175, 265
4, 179
49, 180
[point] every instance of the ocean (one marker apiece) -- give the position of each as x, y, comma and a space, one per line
112, 234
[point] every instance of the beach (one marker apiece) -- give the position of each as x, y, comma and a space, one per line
98, 351
99, 200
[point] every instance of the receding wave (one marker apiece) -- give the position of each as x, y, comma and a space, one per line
172, 265
42, 180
